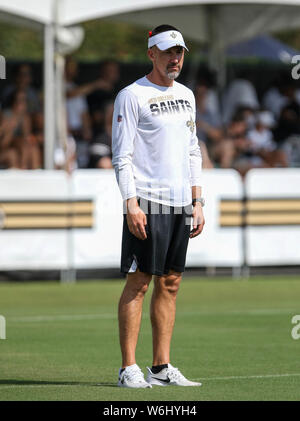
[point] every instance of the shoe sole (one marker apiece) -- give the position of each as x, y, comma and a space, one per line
134, 387
158, 383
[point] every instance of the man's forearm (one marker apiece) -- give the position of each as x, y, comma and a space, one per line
196, 192
82, 90
131, 203
125, 177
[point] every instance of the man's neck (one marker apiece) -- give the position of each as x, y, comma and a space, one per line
157, 79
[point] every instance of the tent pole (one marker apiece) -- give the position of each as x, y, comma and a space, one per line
49, 107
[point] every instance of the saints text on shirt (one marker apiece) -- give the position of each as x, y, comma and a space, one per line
175, 106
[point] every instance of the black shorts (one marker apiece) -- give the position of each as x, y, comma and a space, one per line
168, 229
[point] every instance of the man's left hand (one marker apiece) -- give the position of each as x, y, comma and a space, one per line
198, 220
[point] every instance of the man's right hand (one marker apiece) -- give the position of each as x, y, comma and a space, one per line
136, 219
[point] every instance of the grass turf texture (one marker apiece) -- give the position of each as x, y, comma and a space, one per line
62, 341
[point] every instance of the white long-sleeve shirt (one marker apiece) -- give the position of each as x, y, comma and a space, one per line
155, 149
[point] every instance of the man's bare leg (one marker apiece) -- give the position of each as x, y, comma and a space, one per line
130, 314
162, 312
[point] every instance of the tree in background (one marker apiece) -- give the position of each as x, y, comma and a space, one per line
103, 39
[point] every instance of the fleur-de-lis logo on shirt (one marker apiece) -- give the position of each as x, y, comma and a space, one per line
173, 35
190, 124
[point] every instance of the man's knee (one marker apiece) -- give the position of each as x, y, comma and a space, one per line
139, 282
168, 283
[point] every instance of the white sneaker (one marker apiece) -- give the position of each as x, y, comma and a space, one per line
170, 376
132, 377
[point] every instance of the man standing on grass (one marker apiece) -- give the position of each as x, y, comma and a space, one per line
158, 162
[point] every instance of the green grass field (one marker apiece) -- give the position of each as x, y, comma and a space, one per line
234, 336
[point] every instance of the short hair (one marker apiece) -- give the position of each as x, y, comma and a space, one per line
162, 28
237, 117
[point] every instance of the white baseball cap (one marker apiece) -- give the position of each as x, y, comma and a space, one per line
266, 118
166, 40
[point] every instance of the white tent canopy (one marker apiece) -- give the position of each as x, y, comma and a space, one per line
217, 22
234, 22
236, 19
32, 10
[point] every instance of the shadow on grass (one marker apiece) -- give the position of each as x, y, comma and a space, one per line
14, 382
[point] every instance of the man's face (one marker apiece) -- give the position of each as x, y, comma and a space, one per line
168, 62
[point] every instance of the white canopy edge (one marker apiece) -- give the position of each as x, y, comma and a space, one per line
195, 21
192, 17
32, 10
76, 11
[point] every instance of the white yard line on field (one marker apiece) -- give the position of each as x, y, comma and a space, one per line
8, 386
65, 317
249, 312
263, 376
59, 317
